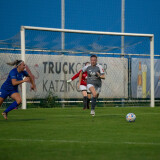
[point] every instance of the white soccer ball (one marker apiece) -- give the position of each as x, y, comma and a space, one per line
130, 117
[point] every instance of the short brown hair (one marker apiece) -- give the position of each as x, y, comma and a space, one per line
93, 56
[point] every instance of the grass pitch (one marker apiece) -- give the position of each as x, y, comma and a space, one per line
73, 134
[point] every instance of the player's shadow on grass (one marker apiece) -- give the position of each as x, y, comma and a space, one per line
27, 119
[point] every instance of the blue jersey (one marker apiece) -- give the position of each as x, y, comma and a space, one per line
13, 74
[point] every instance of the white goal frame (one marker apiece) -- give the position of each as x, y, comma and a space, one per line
151, 36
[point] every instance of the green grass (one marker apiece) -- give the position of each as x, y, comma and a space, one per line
72, 134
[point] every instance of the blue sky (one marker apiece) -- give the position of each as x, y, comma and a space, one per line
141, 16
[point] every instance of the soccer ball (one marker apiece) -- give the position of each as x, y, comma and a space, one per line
130, 117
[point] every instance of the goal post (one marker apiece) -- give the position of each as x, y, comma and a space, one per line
152, 69
23, 58
150, 36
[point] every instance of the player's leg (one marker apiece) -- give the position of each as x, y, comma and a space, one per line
16, 96
94, 99
88, 99
3, 96
84, 93
3, 114
1, 101
93, 91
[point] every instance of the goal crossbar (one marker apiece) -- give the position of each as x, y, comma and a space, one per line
86, 32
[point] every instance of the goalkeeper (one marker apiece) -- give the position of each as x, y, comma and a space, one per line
83, 87
10, 86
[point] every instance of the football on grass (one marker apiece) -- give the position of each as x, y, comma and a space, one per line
130, 117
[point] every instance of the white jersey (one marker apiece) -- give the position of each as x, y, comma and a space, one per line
92, 77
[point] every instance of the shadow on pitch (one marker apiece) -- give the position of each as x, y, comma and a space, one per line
24, 120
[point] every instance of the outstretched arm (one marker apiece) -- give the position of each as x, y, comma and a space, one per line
74, 77
80, 77
33, 86
15, 82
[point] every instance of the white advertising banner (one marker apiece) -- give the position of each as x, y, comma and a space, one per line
50, 73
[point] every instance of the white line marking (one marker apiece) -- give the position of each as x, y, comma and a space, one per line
87, 115
76, 141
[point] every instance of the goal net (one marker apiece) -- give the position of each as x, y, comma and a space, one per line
53, 56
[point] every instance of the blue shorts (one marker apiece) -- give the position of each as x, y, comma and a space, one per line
4, 94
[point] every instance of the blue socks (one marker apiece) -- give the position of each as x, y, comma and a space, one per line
12, 106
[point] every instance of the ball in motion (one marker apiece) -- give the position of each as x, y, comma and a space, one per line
130, 117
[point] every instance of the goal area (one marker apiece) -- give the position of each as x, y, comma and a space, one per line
53, 56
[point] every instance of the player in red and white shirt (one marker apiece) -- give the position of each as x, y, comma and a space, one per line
83, 87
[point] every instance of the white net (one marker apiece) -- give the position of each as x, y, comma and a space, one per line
51, 66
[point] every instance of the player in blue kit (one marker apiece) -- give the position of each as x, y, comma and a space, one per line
10, 86
95, 73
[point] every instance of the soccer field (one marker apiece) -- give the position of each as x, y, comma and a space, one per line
71, 133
